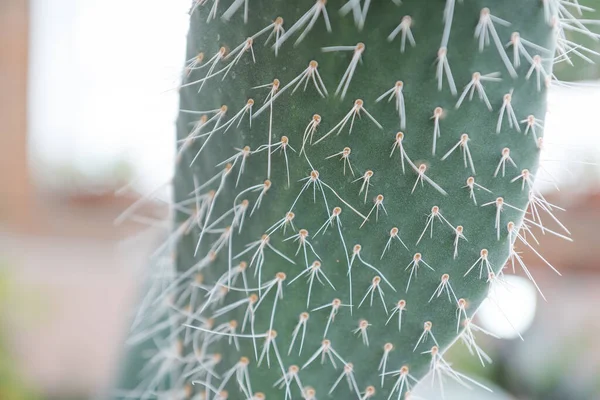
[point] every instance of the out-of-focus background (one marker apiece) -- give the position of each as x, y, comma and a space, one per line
85, 108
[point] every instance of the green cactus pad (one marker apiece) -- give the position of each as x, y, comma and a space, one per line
346, 174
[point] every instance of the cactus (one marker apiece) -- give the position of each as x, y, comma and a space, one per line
352, 179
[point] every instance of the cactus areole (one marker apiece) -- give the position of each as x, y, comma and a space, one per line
351, 179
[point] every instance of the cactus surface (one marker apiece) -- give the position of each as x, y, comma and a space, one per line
351, 179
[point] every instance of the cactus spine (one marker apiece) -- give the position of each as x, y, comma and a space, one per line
351, 180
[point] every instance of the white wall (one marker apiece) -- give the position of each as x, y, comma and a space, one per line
98, 72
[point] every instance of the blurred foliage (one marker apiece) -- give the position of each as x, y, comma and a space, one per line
12, 386
565, 373
69, 177
582, 70
568, 371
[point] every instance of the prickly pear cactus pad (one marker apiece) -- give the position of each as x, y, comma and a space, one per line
352, 179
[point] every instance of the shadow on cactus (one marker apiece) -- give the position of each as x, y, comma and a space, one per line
352, 180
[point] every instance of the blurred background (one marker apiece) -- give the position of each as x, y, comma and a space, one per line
87, 127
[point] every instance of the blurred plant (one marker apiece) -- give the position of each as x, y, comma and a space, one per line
582, 68
67, 178
12, 385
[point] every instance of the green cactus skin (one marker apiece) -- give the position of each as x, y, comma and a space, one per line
199, 291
